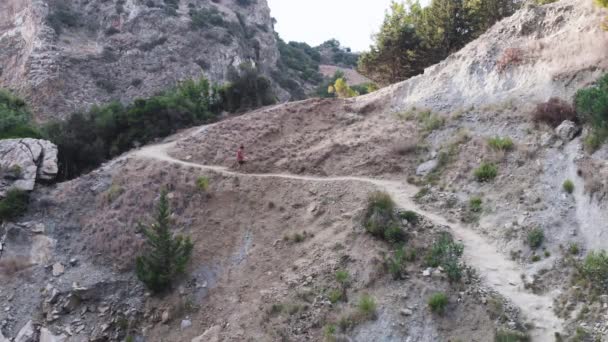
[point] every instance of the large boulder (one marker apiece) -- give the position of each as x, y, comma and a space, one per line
427, 167
25, 161
47, 336
567, 130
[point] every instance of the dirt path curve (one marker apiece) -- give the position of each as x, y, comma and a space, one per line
500, 273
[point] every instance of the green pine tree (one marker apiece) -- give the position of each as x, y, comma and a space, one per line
166, 256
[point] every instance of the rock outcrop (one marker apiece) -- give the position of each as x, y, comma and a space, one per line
25, 161
64, 55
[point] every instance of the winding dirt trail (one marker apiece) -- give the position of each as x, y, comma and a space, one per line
498, 272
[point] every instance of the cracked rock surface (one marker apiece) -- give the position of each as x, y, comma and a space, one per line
25, 161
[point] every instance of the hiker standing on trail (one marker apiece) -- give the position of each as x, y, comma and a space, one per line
240, 156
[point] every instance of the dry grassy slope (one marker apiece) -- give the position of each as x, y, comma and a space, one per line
325, 137
242, 263
562, 49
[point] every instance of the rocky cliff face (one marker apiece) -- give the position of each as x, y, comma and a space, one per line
65, 55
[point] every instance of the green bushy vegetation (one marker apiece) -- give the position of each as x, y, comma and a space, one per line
85, 140
501, 143
297, 61
413, 37
486, 172
535, 237
247, 89
592, 108
595, 269
568, 186
15, 118
166, 256
446, 253
13, 205
438, 302
503, 335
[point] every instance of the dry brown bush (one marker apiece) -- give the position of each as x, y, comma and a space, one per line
405, 147
12, 265
510, 57
554, 112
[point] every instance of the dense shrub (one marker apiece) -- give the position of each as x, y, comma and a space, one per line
437, 302
554, 112
13, 205
592, 108
379, 214
535, 237
595, 269
167, 255
486, 172
248, 89
446, 253
85, 140
15, 118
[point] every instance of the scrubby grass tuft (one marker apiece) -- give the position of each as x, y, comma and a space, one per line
396, 263
394, 234
475, 204
535, 238
486, 172
367, 306
510, 336
573, 248
595, 269
437, 302
501, 144
379, 214
409, 216
202, 183
446, 253
568, 186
